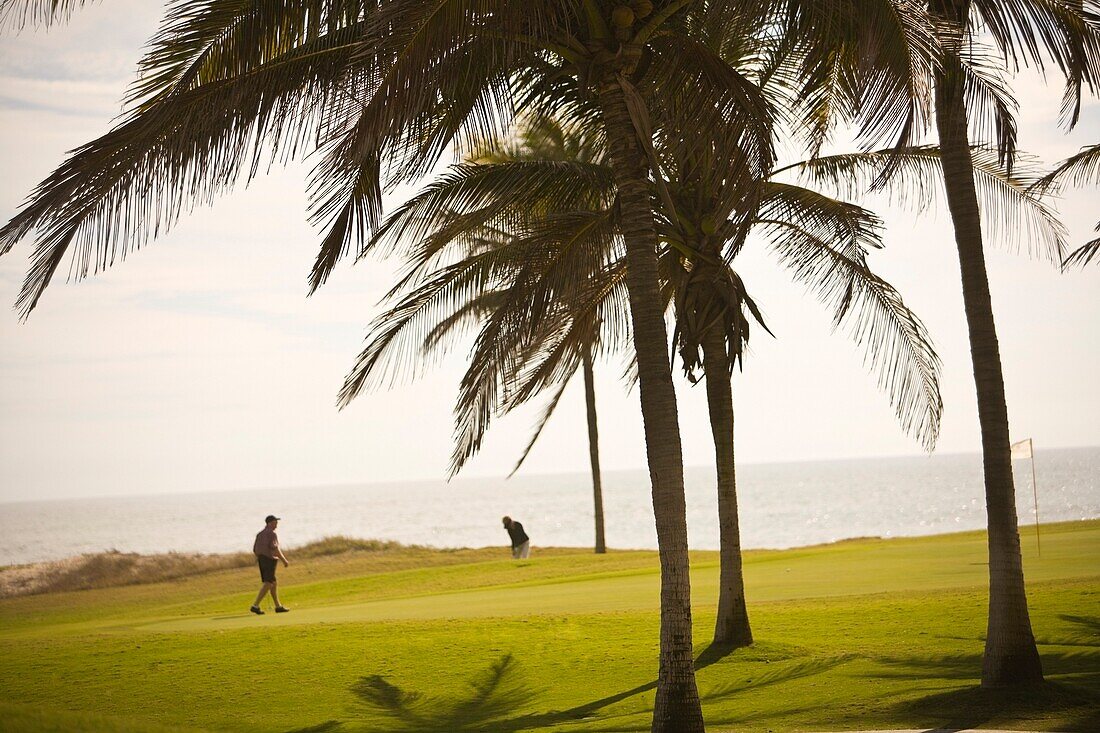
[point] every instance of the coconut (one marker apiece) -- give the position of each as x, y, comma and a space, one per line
622, 17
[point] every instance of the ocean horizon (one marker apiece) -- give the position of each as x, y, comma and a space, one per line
781, 505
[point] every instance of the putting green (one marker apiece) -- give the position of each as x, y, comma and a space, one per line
859, 634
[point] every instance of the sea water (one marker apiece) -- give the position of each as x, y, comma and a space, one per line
781, 505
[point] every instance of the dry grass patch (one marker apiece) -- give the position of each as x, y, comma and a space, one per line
113, 568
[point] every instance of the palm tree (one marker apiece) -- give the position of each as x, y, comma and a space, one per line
545, 139
380, 90
822, 240
879, 46
1028, 32
527, 267
382, 85
1082, 168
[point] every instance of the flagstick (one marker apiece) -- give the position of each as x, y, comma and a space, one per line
1035, 497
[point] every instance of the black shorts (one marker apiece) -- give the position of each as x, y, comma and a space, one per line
267, 568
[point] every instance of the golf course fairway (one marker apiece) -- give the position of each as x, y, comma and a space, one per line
861, 634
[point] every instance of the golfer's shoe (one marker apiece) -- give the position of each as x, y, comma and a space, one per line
257, 610
282, 609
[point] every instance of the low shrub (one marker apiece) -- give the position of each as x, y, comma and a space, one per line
113, 568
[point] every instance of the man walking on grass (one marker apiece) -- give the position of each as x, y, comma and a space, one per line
267, 552
521, 543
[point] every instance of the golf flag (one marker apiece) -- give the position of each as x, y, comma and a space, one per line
1021, 449
1024, 449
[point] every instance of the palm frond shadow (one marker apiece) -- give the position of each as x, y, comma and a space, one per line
781, 674
499, 692
496, 697
326, 727
1091, 624
967, 666
1086, 634
972, 706
496, 694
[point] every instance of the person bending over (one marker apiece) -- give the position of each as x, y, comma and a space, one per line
521, 543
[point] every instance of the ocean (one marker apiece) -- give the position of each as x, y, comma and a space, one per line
781, 505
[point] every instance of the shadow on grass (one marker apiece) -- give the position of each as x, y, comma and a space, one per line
972, 707
326, 727
968, 666
714, 653
1075, 697
494, 704
1087, 635
498, 694
1092, 623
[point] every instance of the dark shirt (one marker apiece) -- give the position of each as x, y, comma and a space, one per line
517, 534
266, 544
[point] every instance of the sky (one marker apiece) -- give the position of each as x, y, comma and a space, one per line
199, 364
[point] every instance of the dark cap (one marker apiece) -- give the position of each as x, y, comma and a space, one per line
270, 518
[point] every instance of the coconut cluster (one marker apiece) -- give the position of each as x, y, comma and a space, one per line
623, 16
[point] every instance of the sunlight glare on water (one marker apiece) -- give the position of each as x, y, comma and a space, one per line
781, 505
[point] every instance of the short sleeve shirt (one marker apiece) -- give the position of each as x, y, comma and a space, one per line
266, 544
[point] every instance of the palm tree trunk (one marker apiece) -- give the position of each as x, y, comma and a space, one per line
1011, 657
594, 449
732, 627
676, 708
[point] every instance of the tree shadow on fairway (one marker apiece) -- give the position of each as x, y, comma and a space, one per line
1075, 697
714, 653
495, 694
1091, 623
756, 679
498, 694
326, 727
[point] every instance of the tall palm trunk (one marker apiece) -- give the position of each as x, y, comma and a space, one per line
732, 627
676, 708
594, 449
1011, 657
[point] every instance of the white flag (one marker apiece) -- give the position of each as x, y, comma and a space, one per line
1022, 449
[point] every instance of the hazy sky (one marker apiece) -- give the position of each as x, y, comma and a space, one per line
199, 364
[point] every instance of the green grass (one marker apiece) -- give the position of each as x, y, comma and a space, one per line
859, 634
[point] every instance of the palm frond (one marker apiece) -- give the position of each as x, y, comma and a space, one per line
492, 359
1065, 33
446, 72
131, 184
350, 202
22, 13
534, 339
505, 193
852, 230
701, 91
579, 325
1016, 217
466, 315
870, 63
709, 299
393, 352
204, 41
1083, 254
896, 346
1081, 168
543, 419
990, 106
